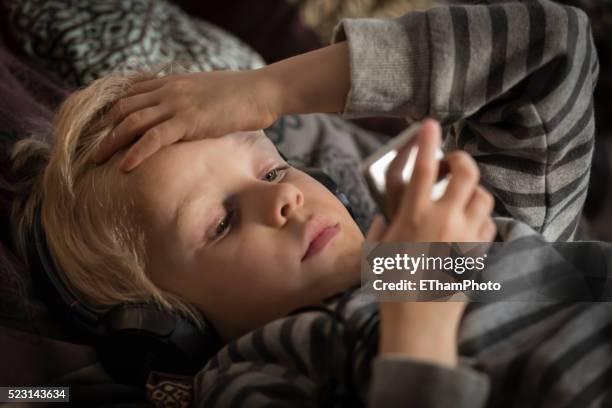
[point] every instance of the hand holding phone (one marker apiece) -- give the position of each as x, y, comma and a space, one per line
458, 211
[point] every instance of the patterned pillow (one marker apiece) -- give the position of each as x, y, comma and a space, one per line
81, 40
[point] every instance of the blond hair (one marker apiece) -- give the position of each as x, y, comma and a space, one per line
99, 251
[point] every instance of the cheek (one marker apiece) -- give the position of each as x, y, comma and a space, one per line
254, 261
255, 286
262, 261
253, 266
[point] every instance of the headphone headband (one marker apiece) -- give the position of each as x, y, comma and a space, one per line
85, 317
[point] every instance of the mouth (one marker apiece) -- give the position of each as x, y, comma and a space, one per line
318, 232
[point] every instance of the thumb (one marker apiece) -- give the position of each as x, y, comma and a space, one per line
377, 228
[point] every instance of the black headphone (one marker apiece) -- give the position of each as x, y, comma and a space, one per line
136, 338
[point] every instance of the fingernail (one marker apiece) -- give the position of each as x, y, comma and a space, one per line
433, 122
126, 164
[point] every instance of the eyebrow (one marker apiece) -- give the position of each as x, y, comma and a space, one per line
251, 140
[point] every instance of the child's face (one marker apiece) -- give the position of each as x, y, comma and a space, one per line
226, 232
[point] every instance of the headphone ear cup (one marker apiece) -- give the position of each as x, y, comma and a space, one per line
129, 357
142, 338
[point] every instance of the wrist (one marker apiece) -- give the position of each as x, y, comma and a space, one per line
432, 344
317, 81
281, 92
423, 330
268, 93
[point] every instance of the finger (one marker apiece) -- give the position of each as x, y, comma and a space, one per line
154, 139
132, 126
426, 166
147, 85
487, 230
480, 204
394, 182
377, 228
464, 178
125, 106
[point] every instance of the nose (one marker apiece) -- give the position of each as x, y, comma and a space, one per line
279, 201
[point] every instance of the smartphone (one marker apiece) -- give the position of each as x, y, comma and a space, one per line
374, 168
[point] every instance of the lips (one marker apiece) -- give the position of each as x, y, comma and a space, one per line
318, 231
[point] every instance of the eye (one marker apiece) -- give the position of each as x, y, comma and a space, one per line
273, 174
223, 226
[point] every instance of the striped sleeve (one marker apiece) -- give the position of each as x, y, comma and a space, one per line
511, 81
311, 359
270, 366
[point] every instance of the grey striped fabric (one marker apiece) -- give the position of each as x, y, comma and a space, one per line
512, 81
513, 84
